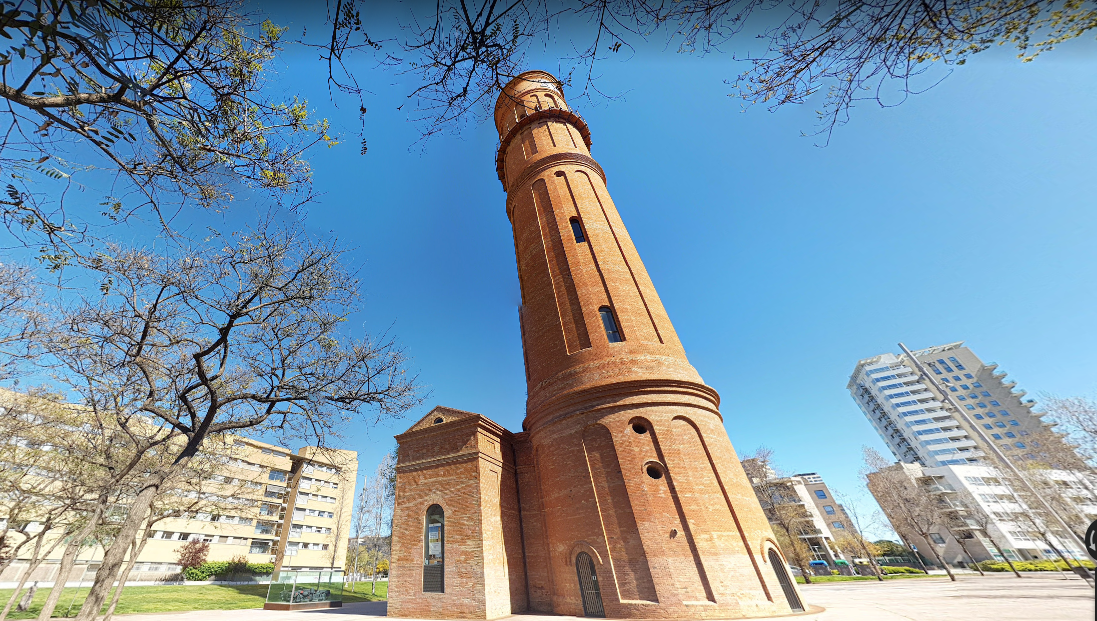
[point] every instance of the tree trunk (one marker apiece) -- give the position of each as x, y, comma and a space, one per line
36, 560
138, 547
872, 563
116, 553
937, 556
68, 560
963, 546
998, 548
357, 553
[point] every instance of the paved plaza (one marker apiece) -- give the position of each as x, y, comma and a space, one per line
972, 598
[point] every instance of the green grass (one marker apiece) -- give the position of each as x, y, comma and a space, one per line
815, 579
180, 598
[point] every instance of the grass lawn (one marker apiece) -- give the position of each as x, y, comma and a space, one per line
817, 579
180, 598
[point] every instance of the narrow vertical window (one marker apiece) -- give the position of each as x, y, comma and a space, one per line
577, 230
610, 324
434, 551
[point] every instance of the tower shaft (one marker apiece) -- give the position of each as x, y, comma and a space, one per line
625, 469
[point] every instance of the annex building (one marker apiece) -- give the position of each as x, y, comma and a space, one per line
622, 495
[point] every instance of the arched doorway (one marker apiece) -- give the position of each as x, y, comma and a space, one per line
786, 582
588, 586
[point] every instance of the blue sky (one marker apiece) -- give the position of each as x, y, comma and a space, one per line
964, 214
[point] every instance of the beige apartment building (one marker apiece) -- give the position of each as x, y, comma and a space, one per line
295, 511
270, 505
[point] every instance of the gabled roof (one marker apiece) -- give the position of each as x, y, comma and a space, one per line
446, 414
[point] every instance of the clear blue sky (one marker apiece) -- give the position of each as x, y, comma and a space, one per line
967, 213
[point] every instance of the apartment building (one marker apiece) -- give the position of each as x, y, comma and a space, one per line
944, 414
294, 510
820, 519
907, 408
826, 506
1011, 525
257, 500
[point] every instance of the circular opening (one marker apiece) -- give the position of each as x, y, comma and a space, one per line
673, 533
654, 471
439, 420
639, 428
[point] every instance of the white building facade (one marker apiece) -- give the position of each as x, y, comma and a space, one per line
943, 417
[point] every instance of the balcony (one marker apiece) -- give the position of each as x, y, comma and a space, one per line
939, 488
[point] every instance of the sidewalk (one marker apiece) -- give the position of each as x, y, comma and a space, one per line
970, 598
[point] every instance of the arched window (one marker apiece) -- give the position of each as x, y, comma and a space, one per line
577, 230
610, 324
551, 101
434, 549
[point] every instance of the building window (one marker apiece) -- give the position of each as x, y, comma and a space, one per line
965, 386
996, 436
1014, 423
995, 403
970, 406
978, 417
988, 426
944, 364
968, 375
577, 230
991, 415
275, 475
982, 405
961, 397
952, 389
820, 494
957, 378
937, 539
610, 324
837, 525
829, 509
259, 546
1010, 434
1019, 444
985, 393
977, 384
999, 424
974, 396
434, 540
1003, 412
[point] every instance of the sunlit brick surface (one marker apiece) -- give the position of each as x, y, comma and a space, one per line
623, 455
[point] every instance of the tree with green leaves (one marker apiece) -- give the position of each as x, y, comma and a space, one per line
168, 99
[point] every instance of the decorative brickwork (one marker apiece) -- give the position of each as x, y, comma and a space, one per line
623, 456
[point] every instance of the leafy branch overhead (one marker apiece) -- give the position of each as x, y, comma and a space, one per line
461, 52
169, 97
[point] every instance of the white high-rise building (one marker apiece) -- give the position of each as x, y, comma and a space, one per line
943, 415
907, 410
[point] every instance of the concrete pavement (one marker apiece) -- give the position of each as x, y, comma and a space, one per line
1002, 597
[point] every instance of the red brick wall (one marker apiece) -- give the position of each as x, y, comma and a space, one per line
465, 465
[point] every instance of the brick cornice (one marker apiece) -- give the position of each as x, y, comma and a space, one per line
647, 392
538, 115
548, 162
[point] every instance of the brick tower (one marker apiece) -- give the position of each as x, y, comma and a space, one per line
622, 496
625, 471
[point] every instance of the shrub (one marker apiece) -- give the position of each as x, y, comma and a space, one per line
224, 568
1030, 565
887, 569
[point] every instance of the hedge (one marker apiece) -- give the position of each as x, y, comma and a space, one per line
1031, 565
207, 570
900, 570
